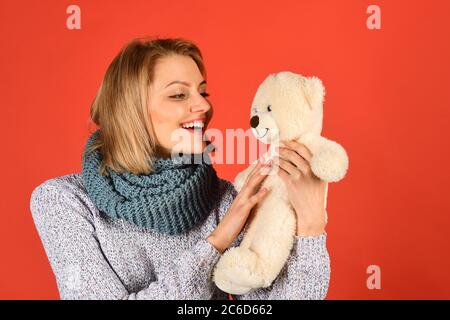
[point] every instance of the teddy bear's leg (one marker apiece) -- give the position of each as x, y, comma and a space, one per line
238, 271
273, 237
229, 287
263, 250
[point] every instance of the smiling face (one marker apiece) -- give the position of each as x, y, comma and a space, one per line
177, 105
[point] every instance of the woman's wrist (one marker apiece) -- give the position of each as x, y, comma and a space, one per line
314, 228
216, 243
307, 231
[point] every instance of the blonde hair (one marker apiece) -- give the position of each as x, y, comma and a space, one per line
126, 137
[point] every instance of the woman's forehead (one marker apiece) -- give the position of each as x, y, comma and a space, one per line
176, 68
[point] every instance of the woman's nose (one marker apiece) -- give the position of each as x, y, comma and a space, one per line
201, 106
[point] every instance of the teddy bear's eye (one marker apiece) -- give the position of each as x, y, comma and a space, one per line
269, 108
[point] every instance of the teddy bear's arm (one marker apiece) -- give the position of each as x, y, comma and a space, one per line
329, 159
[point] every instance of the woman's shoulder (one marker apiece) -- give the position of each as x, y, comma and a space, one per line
66, 185
62, 195
66, 182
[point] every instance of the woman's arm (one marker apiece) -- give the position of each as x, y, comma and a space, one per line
305, 276
65, 226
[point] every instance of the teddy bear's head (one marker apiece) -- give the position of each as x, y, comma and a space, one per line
286, 106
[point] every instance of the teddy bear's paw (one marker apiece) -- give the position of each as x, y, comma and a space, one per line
224, 284
240, 267
223, 278
330, 164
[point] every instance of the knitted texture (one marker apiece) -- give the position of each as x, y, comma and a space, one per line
94, 256
178, 195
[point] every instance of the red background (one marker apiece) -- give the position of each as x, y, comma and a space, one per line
387, 103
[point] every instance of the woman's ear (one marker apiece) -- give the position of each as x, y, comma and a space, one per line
313, 91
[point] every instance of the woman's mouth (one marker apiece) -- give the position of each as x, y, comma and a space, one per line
194, 126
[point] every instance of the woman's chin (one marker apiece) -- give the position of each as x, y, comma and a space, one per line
198, 148
195, 148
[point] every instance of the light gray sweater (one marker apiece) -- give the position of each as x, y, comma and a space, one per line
94, 256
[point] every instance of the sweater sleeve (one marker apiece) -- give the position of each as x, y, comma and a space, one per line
65, 226
305, 276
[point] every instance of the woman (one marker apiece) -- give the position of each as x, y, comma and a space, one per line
136, 223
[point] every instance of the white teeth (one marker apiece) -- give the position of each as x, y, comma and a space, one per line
195, 124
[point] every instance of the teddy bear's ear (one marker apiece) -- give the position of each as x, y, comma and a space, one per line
314, 91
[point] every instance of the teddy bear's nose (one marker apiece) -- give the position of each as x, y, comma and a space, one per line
254, 121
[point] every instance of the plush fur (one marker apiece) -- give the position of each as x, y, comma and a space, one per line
295, 113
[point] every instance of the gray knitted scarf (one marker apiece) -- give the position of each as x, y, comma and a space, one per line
178, 195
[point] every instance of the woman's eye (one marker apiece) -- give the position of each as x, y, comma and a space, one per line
178, 96
182, 95
269, 108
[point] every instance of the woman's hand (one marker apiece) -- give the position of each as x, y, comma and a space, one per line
306, 192
234, 220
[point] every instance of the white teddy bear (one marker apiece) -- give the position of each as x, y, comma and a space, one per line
287, 106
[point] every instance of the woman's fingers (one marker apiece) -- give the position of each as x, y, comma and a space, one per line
254, 199
289, 168
294, 158
255, 180
283, 174
299, 148
258, 165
